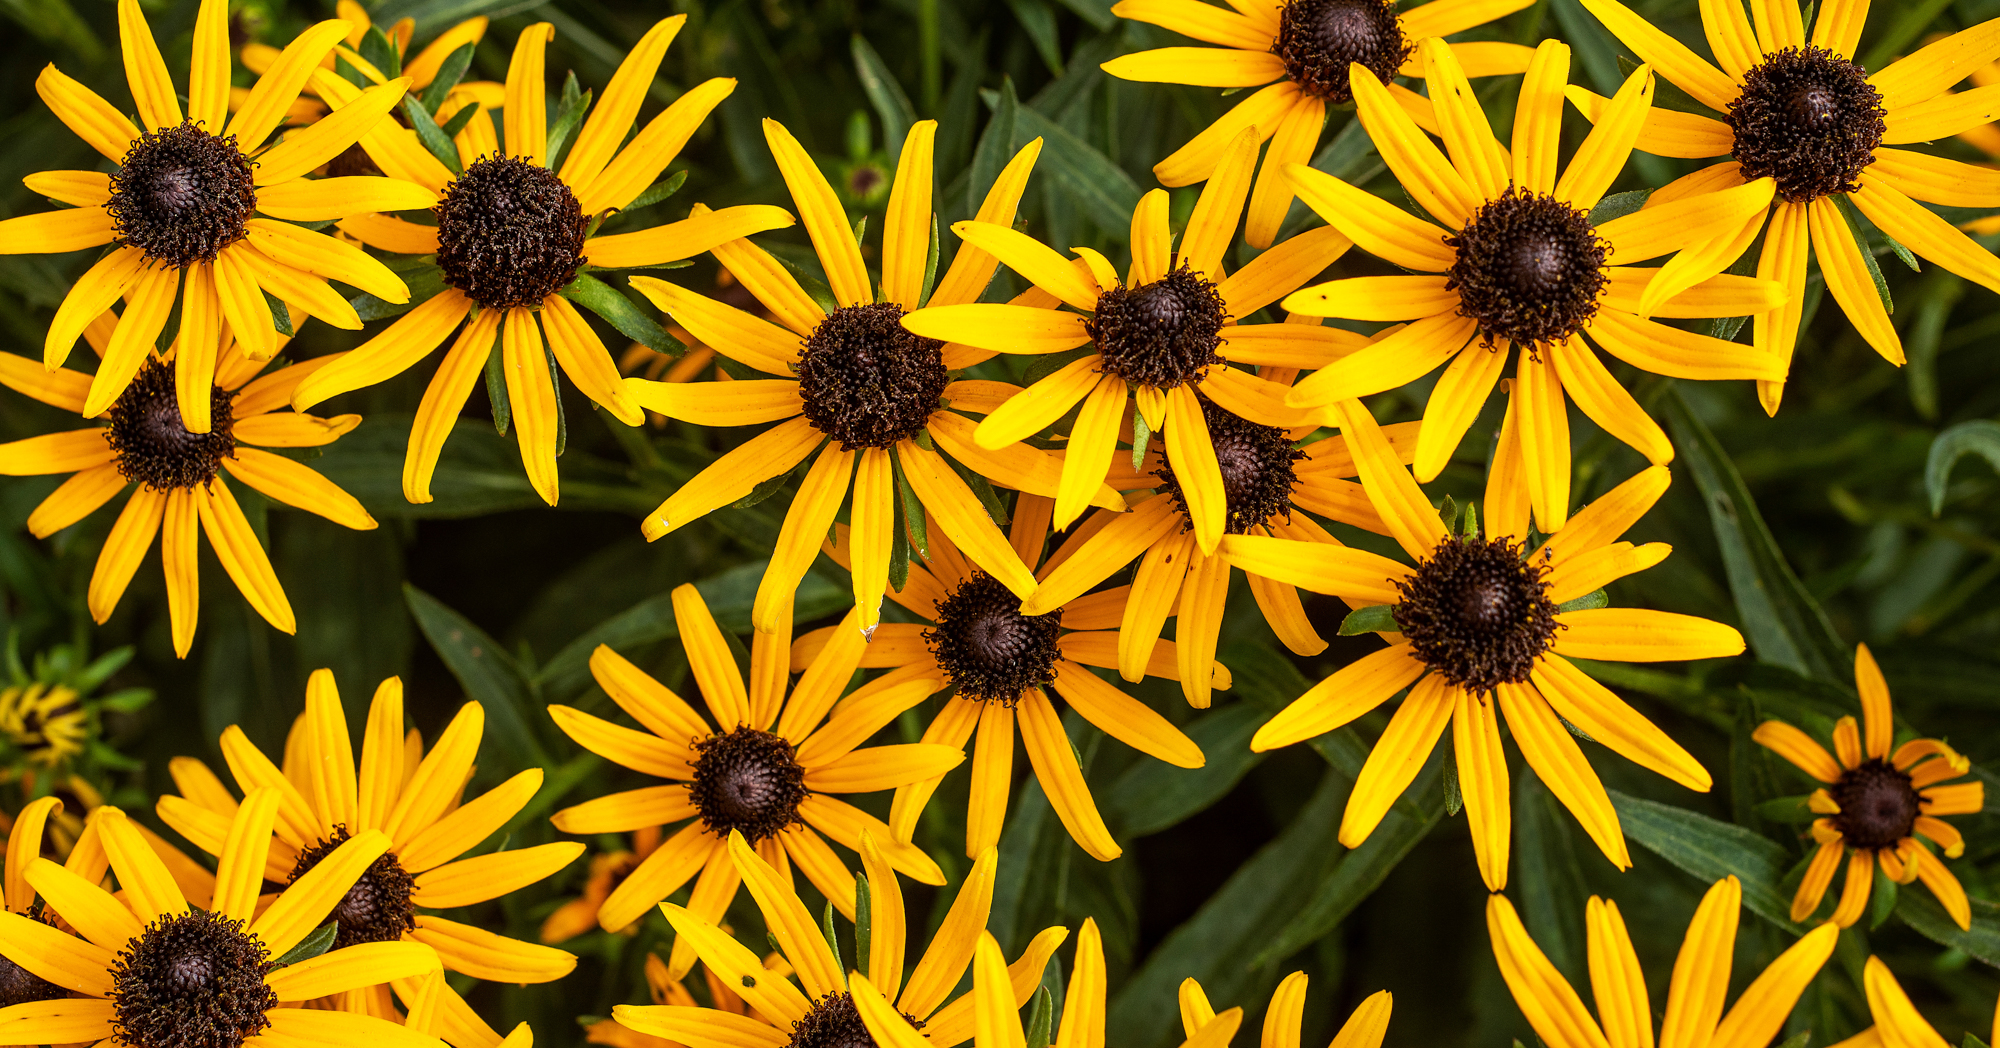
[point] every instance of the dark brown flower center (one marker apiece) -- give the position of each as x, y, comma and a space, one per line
1319, 39
18, 985
378, 907
152, 445
1878, 805
1477, 612
834, 1022
191, 980
866, 381
747, 780
1160, 334
181, 195
990, 650
1810, 120
510, 233
1257, 471
1529, 270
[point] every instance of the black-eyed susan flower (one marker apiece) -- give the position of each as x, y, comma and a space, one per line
1514, 262
1877, 800
1157, 339
768, 767
1364, 1028
1268, 481
1310, 48
1478, 630
1004, 663
176, 475
1694, 1012
179, 214
872, 405
829, 1007
393, 792
50, 716
1897, 1023
512, 238
1802, 113
421, 69
150, 968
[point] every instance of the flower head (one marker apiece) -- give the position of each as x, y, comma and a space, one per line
1316, 51
1695, 999
1801, 112
193, 962
178, 212
764, 765
1515, 265
1483, 627
1876, 800
515, 237
175, 473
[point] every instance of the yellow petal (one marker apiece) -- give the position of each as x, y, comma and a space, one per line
1601, 398
1198, 66
972, 269
1668, 56
350, 968
526, 121
1409, 514
1204, 22
1296, 139
152, 89
1482, 778
1424, 172
826, 222
55, 232
83, 111
906, 230
1264, 110
1550, 749
1379, 227
1602, 156
1928, 71
1037, 263
1664, 350
1607, 718
1924, 232
1353, 690
320, 142
1641, 635
531, 391
691, 236
1780, 24
1212, 225
1001, 326
1054, 760
243, 557
653, 148
1397, 757
618, 106
124, 548
1468, 135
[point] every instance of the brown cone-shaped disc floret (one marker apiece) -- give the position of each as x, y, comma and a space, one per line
1319, 39
990, 650
510, 233
866, 381
1160, 334
181, 195
152, 445
378, 907
1529, 270
1810, 120
191, 980
749, 781
1477, 612
1257, 470
1878, 804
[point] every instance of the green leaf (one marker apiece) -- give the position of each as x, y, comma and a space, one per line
1711, 850
1041, 1017
1550, 885
489, 675
1782, 623
1979, 436
448, 76
575, 104
555, 387
832, 939
1040, 23
618, 311
657, 192
1050, 363
996, 147
425, 283
1153, 795
496, 392
320, 941
1375, 618
891, 104
1588, 602
1848, 215
912, 510
1618, 205
1923, 913
1881, 899
930, 263
1101, 190
1787, 809
458, 120
864, 909
377, 51
432, 136
1141, 434
281, 314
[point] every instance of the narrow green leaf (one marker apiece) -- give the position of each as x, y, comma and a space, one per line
1923, 913
458, 120
574, 105
555, 386
1787, 809
1780, 620
1978, 436
433, 137
1881, 899
320, 941
912, 510
1041, 1017
377, 51
930, 263
657, 192
281, 314
1711, 850
1039, 21
1141, 434
864, 933
496, 393
489, 675
891, 104
1101, 190
1861, 239
1375, 618
448, 76
996, 147
618, 311
1588, 602
832, 939
425, 284
1618, 205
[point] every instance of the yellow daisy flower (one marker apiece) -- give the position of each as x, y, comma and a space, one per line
1480, 628
1517, 264
180, 492
329, 795
1694, 1012
1163, 336
1002, 662
47, 723
1310, 48
842, 1005
122, 974
512, 240
1364, 1028
1817, 151
770, 771
181, 205
1898, 1024
1876, 801
422, 69
858, 395
1266, 477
